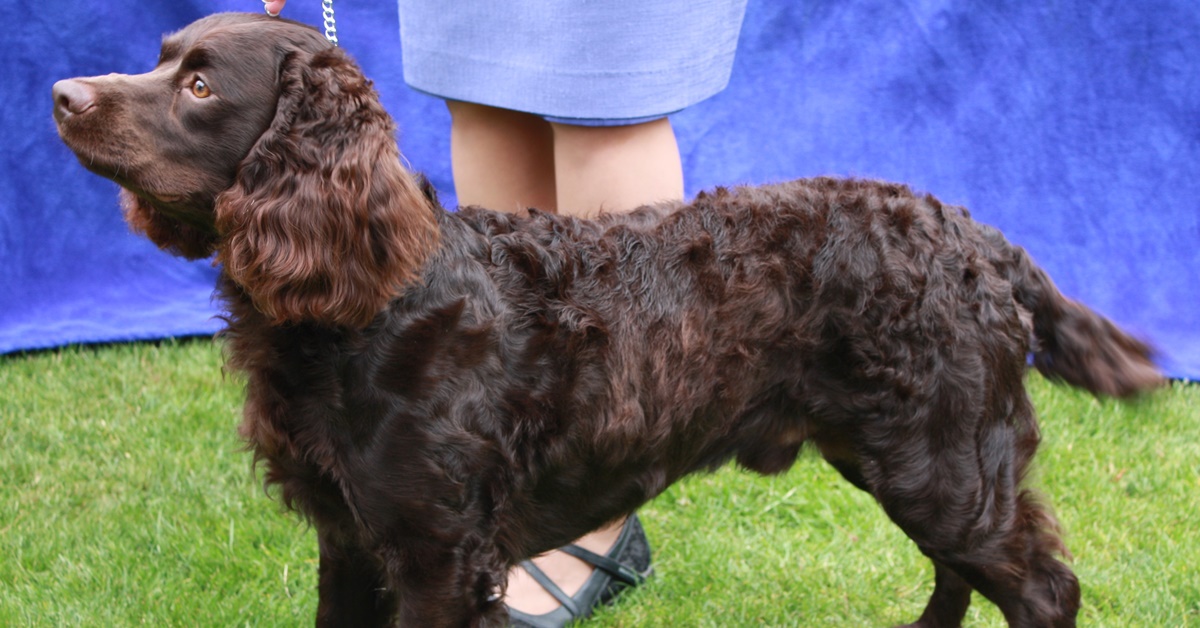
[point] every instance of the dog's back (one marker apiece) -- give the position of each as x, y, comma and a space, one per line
832, 294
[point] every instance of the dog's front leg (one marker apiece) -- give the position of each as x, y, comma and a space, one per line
351, 586
446, 587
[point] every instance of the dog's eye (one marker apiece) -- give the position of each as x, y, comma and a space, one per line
200, 89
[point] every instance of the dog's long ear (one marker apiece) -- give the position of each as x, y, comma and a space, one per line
323, 223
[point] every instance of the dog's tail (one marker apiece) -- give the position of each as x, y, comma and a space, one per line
1073, 343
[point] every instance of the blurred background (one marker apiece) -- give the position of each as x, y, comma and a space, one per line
1073, 126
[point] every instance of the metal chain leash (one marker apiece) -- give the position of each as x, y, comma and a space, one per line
330, 23
326, 12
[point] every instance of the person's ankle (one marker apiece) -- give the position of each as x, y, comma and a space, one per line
569, 573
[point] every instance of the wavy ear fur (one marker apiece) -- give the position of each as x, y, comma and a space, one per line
323, 223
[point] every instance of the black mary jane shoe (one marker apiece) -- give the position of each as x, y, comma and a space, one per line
626, 565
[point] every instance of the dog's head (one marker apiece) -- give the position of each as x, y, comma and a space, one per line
256, 139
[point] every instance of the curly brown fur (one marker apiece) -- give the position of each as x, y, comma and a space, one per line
444, 394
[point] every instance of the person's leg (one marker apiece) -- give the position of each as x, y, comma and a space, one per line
566, 571
502, 159
509, 161
616, 168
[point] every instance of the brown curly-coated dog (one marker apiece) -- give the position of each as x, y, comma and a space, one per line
444, 394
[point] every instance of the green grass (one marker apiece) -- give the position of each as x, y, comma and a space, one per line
126, 499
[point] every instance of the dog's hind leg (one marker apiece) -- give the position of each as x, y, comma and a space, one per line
954, 488
948, 604
951, 594
1016, 569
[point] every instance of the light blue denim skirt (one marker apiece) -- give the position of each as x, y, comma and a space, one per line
595, 62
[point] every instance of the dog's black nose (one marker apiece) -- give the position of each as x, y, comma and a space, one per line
71, 98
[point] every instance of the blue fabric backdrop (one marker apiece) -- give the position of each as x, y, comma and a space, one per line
1074, 126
